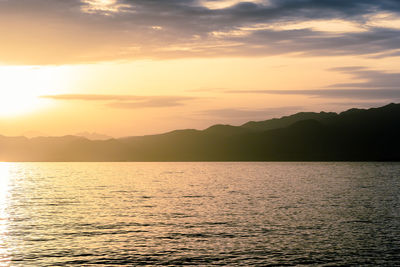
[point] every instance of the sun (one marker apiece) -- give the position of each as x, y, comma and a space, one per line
16, 102
21, 88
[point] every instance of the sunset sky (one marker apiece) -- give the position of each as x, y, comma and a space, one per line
134, 67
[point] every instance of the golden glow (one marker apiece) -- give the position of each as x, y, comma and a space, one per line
332, 26
329, 26
335, 26
224, 3
384, 20
21, 88
105, 6
158, 78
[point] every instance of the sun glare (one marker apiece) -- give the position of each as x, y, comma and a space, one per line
21, 88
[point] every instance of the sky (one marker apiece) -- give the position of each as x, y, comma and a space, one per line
136, 67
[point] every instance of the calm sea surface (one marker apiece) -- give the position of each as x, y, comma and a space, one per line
329, 214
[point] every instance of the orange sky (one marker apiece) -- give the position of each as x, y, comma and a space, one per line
125, 67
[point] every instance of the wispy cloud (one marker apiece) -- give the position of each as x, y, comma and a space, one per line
374, 85
358, 104
371, 79
248, 113
126, 101
95, 97
331, 93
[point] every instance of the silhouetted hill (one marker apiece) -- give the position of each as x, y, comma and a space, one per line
226, 130
353, 135
288, 120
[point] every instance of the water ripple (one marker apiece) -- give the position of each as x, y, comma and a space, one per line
222, 214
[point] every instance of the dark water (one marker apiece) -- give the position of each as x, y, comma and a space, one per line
324, 214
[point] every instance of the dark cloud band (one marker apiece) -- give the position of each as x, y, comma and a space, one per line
62, 32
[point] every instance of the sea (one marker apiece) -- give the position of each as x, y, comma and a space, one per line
200, 214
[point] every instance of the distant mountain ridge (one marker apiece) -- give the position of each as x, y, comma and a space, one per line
353, 135
93, 136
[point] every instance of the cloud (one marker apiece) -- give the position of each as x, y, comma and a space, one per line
67, 32
153, 102
331, 93
358, 104
206, 90
94, 97
377, 85
126, 101
374, 79
243, 113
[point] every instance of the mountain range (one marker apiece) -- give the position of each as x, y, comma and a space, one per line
353, 135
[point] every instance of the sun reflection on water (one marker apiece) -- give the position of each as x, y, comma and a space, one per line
4, 191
